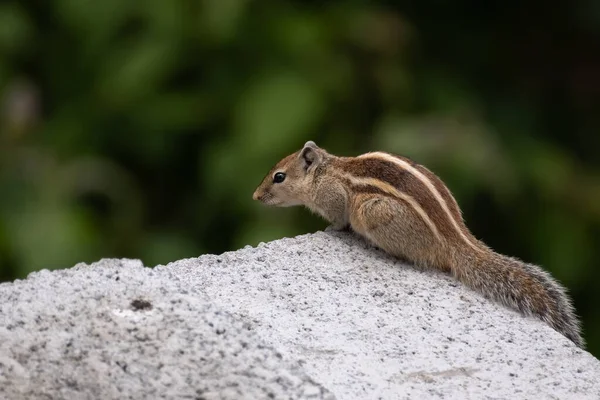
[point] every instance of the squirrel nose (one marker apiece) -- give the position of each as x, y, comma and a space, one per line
255, 195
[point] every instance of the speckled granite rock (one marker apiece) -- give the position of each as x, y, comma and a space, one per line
317, 316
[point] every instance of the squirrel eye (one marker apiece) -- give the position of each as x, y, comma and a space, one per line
279, 177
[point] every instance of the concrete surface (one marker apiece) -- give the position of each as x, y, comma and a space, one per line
317, 316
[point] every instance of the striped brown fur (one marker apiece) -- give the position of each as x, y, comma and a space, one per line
406, 210
404, 182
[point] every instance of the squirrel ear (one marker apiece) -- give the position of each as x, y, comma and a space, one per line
310, 155
312, 144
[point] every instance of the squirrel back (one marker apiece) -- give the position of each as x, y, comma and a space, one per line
406, 210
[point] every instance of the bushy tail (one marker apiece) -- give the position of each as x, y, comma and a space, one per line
522, 286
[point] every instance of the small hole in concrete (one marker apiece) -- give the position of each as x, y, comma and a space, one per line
140, 304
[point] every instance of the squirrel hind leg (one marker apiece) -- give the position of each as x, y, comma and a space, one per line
396, 228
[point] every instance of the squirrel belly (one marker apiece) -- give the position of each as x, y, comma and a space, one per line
407, 211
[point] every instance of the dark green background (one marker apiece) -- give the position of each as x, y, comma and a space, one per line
140, 128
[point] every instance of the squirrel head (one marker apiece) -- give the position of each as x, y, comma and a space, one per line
289, 182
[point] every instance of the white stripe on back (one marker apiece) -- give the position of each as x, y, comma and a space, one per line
428, 184
386, 187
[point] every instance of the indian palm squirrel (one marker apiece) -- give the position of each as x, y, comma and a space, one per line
407, 211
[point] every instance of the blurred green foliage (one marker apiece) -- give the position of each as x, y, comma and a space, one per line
140, 129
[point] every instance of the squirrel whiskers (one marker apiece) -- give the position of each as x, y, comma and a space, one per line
407, 211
